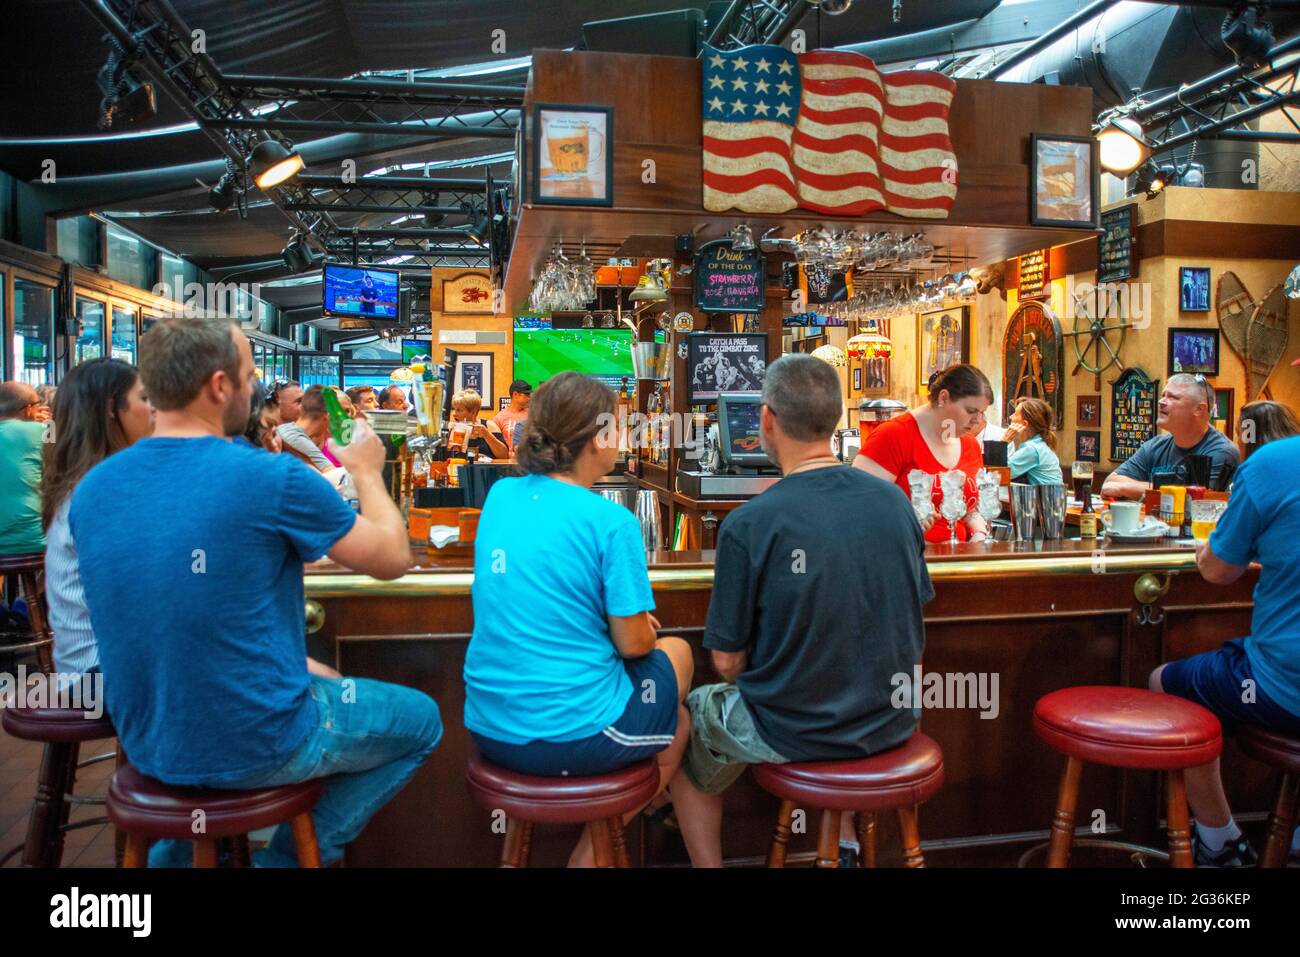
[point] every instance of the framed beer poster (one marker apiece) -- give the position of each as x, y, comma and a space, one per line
1133, 398
572, 155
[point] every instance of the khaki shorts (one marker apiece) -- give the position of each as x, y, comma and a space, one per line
724, 739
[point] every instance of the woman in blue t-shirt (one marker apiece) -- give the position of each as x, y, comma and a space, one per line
564, 675
1032, 429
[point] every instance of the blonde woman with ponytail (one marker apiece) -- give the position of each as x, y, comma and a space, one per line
564, 676
1033, 431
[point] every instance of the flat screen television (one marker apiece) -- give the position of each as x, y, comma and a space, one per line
360, 292
413, 349
605, 354
718, 362
738, 431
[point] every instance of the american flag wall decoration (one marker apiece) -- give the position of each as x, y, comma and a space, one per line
825, 131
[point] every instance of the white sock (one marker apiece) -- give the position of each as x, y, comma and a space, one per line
1215, 837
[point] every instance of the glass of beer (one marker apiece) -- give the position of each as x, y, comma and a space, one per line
1205, 517
572, 145
459, 439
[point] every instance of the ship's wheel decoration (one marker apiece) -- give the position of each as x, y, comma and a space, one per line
1097, 316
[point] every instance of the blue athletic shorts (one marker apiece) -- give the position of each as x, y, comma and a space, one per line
644, 729
1217, 680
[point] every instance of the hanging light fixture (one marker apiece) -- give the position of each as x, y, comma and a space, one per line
831, 355
650, 287
272, 163
870, 345
1121, 145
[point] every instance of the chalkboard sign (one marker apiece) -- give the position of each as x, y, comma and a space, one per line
1035, 281
727, 280
1115, 258
1133, 399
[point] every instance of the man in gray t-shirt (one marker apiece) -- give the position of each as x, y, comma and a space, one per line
1184, 414
305, 436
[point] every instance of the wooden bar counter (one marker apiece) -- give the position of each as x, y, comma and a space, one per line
1039, 617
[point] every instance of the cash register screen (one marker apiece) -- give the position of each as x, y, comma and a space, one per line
738, 431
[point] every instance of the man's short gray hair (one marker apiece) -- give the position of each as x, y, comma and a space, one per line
805, 396
1190, 381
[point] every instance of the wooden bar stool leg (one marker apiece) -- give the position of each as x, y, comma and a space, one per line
1281, 822
865, 825
32, 592
304, 840
1067, 797
619, 841
44, 844
136, 853
776, 855
911, 834
205, 853
602, 843
513, 851
828, 840
1180, 844
65, 805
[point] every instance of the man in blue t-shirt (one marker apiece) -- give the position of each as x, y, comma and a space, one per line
191, 550
1252, 680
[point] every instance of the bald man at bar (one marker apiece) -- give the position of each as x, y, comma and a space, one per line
191, 552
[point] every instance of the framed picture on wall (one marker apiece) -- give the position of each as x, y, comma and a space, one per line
1194, 350
1087, 446
857, 378
1194, 288
474, 371
1222, 413
572, 162
1063, 181
1087, 411
942, 340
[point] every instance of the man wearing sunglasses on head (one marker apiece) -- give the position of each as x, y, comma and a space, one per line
1184, 415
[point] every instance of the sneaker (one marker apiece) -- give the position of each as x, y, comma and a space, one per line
1236, 853
848, 856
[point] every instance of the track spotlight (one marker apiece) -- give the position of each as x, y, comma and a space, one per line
1151, 179
297, 255
126, 101
479, 227
1122, 148
271, 163
1248, 35
222, 196
832, 7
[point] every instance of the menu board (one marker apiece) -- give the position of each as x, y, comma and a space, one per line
1115, 253
1133, 400
728, 280
1034, 278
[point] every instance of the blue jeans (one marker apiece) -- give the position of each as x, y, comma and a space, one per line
369, 740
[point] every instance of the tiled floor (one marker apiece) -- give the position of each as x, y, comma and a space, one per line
19, 762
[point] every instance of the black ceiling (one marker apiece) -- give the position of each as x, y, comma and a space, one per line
48, 90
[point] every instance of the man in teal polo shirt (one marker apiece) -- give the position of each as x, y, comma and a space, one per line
21, 441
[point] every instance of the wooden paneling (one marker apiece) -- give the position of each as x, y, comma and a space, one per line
1036, 633
656, 103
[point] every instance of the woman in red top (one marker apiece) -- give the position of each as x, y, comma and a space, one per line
935, 438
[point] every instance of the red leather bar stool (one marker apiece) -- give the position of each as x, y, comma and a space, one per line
63, 731
599, 801
901, 780
1125, 728
29, 569
1281, 753
148, 810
